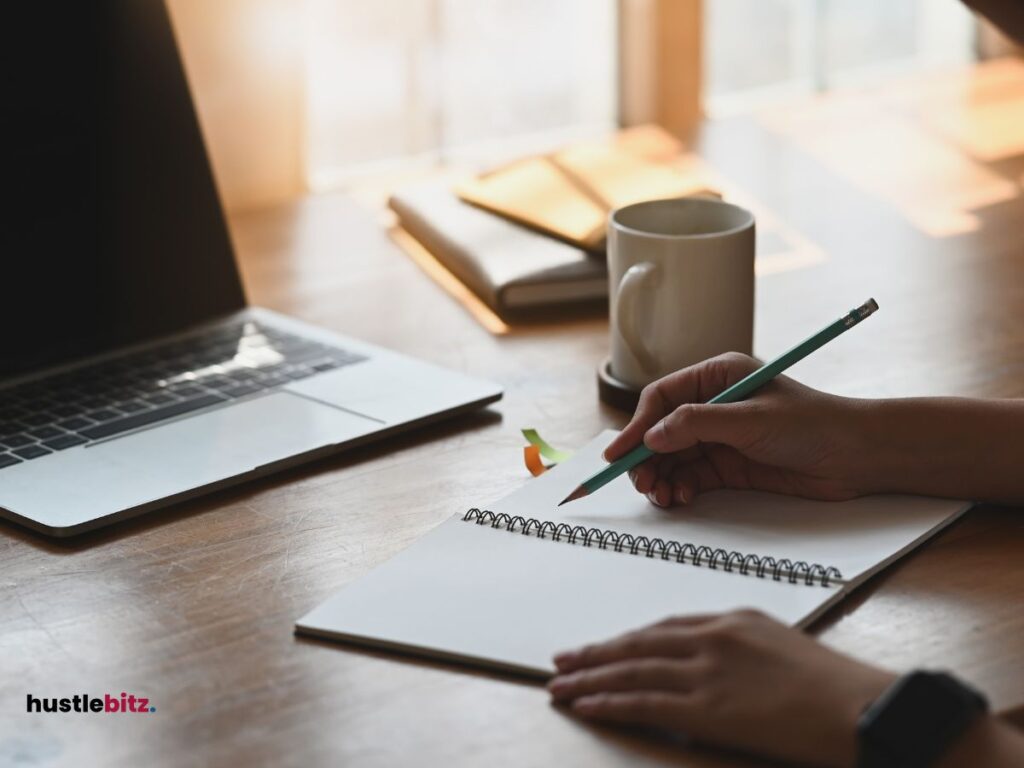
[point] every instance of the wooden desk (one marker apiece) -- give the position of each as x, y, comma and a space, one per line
194, 606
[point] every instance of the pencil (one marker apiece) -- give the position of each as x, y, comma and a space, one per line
738, 391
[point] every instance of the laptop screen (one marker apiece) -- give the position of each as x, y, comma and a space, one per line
113, 230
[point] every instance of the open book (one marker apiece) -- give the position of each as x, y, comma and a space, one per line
509, 585
568, 194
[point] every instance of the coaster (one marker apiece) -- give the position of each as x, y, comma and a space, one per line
615, 393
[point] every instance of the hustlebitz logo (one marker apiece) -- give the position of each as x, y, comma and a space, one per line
126, 703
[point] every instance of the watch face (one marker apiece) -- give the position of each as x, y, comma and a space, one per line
921, 715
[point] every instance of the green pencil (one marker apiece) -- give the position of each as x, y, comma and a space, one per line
738, 391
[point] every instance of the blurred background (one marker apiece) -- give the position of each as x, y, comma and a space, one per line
312, 95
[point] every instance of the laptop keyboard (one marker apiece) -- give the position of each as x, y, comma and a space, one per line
133, 391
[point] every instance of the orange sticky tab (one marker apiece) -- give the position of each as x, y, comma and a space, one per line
531, 455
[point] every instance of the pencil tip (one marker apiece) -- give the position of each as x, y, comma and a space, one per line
579, 493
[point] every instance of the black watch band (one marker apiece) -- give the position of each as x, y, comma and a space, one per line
914, 722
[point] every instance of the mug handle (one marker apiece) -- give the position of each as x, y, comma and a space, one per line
625, 309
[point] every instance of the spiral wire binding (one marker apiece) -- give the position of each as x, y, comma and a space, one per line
682, 552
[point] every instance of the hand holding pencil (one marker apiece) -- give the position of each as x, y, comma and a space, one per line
788, 438
679, 414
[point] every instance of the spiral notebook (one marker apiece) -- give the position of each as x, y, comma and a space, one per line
507, 585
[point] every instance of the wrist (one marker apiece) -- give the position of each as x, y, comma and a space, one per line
918, 721
988, 741
854, 699
877, 462
894, 438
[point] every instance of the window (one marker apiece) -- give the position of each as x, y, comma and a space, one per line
764, 50
400, 80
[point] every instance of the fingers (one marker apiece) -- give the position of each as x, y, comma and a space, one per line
665, 641
644, 475
654, 674
652, 407
696, 477
650, 708
676, 479
732, 424
695, 384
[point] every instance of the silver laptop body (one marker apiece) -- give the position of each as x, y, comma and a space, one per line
132, 372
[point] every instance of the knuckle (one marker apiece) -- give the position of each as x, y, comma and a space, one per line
631, 645
709, 701
735, 357
720, 634
648, 394
734, 629
649, 669
747, 616
647, 703
634, 675
729, 362
707, 666
650, 400
675, 423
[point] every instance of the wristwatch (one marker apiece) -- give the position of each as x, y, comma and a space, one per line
916, 720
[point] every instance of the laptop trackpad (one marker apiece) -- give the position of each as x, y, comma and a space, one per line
80, 485
208, 447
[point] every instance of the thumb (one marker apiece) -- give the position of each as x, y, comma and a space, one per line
731, 424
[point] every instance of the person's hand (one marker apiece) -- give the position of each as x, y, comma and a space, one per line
786, 438
738, 680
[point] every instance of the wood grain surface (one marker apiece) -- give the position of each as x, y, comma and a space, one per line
194, 606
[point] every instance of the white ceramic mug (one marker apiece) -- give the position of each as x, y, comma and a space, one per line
682, 285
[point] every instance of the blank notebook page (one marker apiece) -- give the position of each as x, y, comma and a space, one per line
854, 536
499, 599
502, 599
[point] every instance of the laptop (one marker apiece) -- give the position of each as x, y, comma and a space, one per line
132, 372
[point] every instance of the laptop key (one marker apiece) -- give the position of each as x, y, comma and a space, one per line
131, 406
241, 390
102, 414
95, 402
32, 452
297, 373
11, 428
44, 433
6, 460
39, 404
241, 375
150, 417
16, 441
323, 365
75, 423
64, 441
37, 419
187, 390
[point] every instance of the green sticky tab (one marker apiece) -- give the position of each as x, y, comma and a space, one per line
548, 451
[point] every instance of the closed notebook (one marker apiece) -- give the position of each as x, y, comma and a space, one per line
508, 586
508, 266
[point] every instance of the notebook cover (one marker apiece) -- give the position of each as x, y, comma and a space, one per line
509, 267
